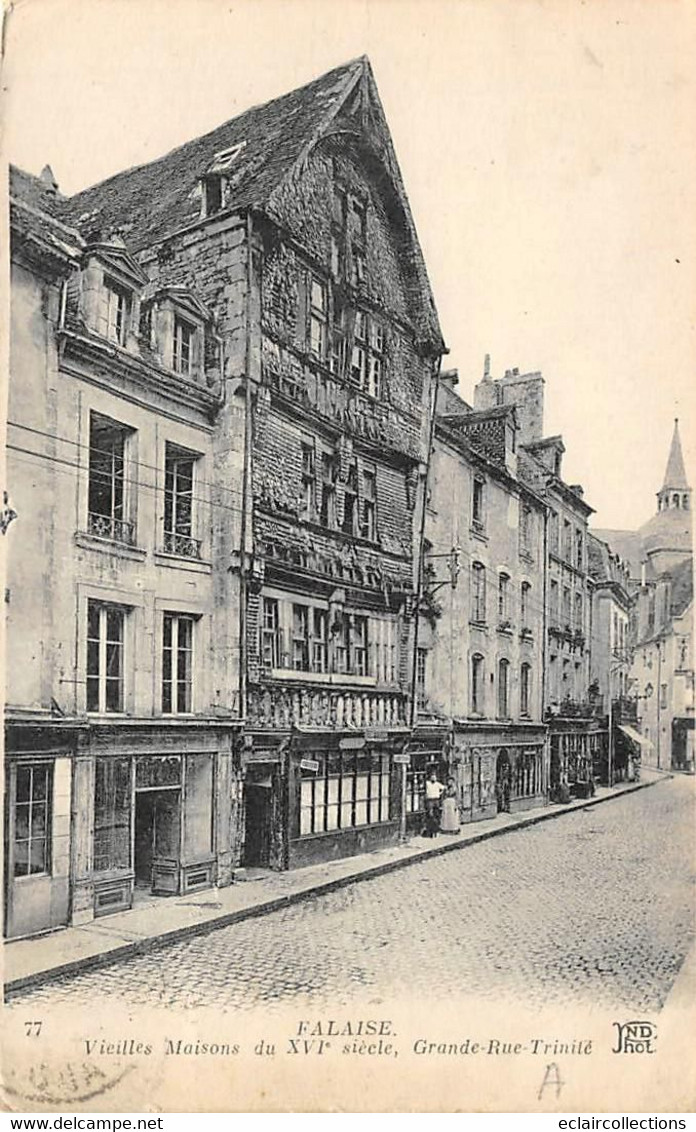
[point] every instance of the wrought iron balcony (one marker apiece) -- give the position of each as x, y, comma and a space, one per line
108, 527
183, 545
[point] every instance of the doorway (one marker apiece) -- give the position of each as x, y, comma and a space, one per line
157, 833
502, 782
258, 815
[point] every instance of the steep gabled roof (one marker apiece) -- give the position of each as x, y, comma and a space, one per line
148, 202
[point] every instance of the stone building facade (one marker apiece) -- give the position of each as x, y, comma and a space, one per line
122, 767
576, 735
223, 367
481, 630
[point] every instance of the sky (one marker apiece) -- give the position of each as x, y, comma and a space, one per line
547, 150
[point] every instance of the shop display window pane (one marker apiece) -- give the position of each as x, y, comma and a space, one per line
198, 809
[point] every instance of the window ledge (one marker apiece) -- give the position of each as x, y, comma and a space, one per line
332, 678
108, 546
182, 562
479, 533
482, 626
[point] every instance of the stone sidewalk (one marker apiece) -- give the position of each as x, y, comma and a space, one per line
159, 921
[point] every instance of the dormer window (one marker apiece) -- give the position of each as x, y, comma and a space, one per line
213, 196
114, 312
184, 334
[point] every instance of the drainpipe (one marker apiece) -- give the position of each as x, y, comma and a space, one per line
421, 537
419, 585
243, 587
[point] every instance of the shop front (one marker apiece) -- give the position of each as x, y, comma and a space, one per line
344, 795
498, 771
154, 816
38, 782
428, 750
578, 752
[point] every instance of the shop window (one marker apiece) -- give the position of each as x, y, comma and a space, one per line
107, 494
351, 789
478, 592
369, 501
503, 689
177, 664
198, 808
271, 641
105, 661
415, 791
478, 685
112, 814
327, 510
350, 502
318, 319
178, 502
478, 518
525, 689
114, 311
32, 818
184, 341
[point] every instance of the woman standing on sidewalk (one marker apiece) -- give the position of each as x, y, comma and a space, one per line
449, 823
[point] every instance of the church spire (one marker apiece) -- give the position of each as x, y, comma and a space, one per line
675, 490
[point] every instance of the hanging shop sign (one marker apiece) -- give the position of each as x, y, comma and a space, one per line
309, 764
402, 758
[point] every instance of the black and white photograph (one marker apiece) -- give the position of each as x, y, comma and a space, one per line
349, 370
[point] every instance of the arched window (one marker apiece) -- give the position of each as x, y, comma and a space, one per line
503, 688
675, 500
525, 689
685, 502
477, 685
478, 592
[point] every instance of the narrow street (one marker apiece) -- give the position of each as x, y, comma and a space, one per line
595, 905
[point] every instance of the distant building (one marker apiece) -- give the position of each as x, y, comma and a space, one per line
610, 655
660, 557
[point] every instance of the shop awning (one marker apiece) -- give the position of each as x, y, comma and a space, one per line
636, 738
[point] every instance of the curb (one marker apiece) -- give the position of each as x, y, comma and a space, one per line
139, 947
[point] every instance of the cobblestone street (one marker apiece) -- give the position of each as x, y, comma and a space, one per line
594, 904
